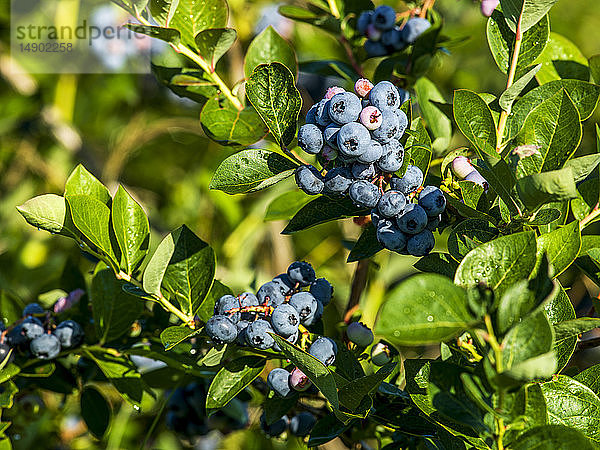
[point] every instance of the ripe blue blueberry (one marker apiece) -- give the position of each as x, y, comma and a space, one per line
393, 38
364, 20
375, 49
248, 299
413, 219
363, 171
69, 333
414, 28
315, 316
322, 291
291, 339
360, 334
373, 152
302, 273
404, 96
392, 159
286, 284
276, 428
31, 328
384, 17
391, 203
410, 182
375, 217
241, 330
279, 381
309, 180
330, 134
310, 138
221, 330
384, 95
337, 181
364, 193
322, 113
257, 335
390, 236
226, 304
305, 303
390, 126
46, 346
353, 139
15, 337
402, 118
285, 320
32, 308
324, 349
302, 424
432, 200
434, 222
421, 244
311, 115
344, 108
270, 294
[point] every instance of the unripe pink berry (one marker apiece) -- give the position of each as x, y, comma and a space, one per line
477, 178
333, 90
373, 34
371, 118
488, 7
362, 87
299, 381
461, 167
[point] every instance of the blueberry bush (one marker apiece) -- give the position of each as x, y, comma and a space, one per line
426, 274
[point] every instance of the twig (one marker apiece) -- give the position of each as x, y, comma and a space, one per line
428, 4
355, 65
359, 282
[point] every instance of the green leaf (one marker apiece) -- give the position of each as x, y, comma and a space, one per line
232, 379
366, 246
286, 205
517, 301
269, 47
49, 212
169, 35
556, 437
531, 337
132, 230
575, 327
11, 307
7, 395
474, 118
594, 63
546, 187
509, 96
184, 265
9, 371
435, 119
330, 68
441, 263
82, 182
172, 336
276, 407
501, 41
469, 234
314, 369
213, 44
92, 218
113, 309
572, 404
562, 59
224, 123
528, 12
527, 407
559, 309
583, 166
217, 290
590, 377
272, 92
424, 309
251, 170
351, 395
561, 245
326, 429
471, 193
499, 263
320, 210
95, 410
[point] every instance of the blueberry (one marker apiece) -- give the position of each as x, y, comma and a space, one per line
286, 284
364, 20
413, 219
421, 244
299, 381
380, 354
391, 203
371, 118
311, 115
276, 428
305, 303
226, 304
220, 329
324, 349
360, 334
373, 34
393, 38
364, 193
302, 273
344, 108
330, 134
410, 182
375, 216
31, 328
322, 291
4, 351
402, 119
285, 320
337, 181
241, 332
390, 126
332, 91
384, 95
363, 171
32, 308
353, 139
257, 335
390, 236
69, 333
373, 152
413, 28
46, 346
322, 113
375, 49
309, 180
362, 87
404, 96
315, 316
15, 337
291, 339
270, 294
310, 138
392, 158
434, 222
461, 167
302, 424
432, 200
248, 299
279, 381
384, 17
476, 178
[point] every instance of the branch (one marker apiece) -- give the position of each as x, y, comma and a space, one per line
359, 282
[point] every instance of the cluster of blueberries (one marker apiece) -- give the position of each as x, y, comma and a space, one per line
384, 37
36, 333
280, 306
299, 425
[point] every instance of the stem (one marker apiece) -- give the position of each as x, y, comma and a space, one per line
590, 217
427, 4
355, 65
359, 282
497, 348
509, 82
334, 9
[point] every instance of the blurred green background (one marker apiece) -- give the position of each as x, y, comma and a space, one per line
129, 129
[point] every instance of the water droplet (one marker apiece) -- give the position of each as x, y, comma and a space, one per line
136, 407
396, 333
429, 318
406, 310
